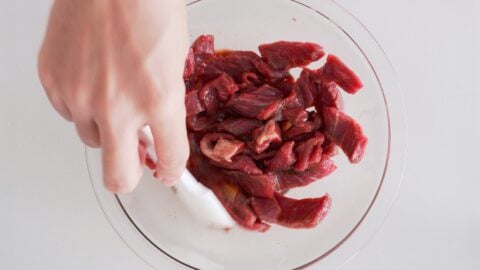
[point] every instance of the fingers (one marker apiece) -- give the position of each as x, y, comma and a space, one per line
88, 132
122, 168
171, 143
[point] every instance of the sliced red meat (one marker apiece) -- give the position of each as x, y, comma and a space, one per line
261, 103
192, 103
242, 163
304, 213
283, 159
283, 55
345, 132
204, 44
292, 213
309, 151
265, 135
220, 147
240, 126
336, 71
235, 63
295, 116
267, 209
292, 179
259, 185
236, 103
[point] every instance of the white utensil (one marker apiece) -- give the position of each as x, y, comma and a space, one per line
199, 200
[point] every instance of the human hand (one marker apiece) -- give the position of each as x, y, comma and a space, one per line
112, 67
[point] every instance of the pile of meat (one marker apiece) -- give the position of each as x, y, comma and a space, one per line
255, 131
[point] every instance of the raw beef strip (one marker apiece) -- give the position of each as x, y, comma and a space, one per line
235, 63
292, 179
304, 213
292, 213
283, 55
335, 70
345, 132
267, 209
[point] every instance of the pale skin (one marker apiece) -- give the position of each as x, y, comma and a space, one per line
112, 67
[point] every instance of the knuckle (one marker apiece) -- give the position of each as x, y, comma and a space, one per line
107, 111
79, 100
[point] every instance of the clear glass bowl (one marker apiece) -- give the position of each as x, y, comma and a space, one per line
157, 227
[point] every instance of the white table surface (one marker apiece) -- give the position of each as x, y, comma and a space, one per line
49, 218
